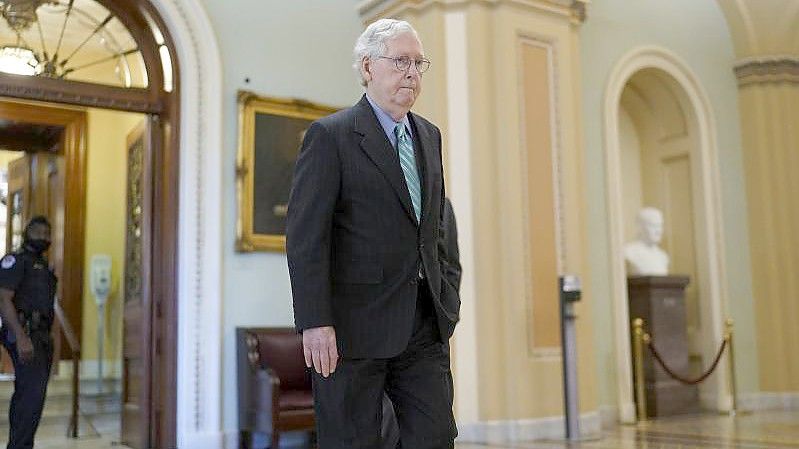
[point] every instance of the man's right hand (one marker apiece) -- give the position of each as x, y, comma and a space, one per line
319, 348
25, 348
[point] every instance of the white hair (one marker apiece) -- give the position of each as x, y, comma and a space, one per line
372, 42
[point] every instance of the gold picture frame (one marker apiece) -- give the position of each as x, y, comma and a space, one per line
270, 135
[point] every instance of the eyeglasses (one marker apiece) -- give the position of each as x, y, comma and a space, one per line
403, 63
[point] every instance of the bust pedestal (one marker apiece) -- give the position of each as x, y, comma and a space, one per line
660, 302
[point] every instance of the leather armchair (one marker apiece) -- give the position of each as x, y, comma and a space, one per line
274, 386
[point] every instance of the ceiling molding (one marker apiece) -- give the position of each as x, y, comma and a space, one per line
762, 27
768, 69
371, 10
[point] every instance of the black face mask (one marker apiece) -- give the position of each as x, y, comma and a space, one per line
37, 245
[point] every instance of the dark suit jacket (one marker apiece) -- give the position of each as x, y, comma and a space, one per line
448, 248
353, 244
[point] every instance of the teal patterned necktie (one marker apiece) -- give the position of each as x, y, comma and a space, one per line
408, 163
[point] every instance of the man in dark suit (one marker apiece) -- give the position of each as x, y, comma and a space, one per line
451, 271
363, 230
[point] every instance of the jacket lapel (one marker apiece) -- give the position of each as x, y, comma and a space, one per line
378, 148
429, 158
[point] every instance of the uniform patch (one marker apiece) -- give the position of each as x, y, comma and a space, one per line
8, 262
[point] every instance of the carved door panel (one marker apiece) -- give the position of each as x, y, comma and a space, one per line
136, 351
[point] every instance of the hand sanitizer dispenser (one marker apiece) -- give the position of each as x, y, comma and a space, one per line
100, 278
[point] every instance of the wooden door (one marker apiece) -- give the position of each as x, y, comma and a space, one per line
19, 174
137, 310
17, 215
36, 187
48, 200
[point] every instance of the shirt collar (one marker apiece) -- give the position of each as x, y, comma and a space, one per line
387, 122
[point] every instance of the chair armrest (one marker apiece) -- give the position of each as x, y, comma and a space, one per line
265, 401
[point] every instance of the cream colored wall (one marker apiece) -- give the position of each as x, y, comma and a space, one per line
514, 381
106, 173
8, 156
630, 145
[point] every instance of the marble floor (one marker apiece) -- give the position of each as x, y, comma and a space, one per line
761, 430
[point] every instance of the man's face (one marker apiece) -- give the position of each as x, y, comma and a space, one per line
395, 91
39, 232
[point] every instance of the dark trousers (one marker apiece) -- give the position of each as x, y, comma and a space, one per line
30, 389
418, 381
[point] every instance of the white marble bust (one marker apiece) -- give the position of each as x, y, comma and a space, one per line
643, 256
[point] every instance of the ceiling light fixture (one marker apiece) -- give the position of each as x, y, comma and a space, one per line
18, 60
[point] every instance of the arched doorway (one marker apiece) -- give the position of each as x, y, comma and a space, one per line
679, 137
152, 87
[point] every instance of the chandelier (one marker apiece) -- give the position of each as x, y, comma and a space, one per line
38, 50
20, 14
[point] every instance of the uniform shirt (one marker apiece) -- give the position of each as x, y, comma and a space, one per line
31, 280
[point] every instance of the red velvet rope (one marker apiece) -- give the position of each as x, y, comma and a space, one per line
676, 376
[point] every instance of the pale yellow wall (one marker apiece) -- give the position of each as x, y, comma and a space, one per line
8, 156
508, 394
630, 146
767, 45
515, 379
762, 27
105, 223
769, 118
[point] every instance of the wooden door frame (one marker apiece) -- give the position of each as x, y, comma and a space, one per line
73, 148
137, 15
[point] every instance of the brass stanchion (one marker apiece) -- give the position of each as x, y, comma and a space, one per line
638, 364
731, 359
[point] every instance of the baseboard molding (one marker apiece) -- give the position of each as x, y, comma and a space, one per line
609, 417
204, 440
231, 440
89, 368
609, 414
289, 440
550, 428
769, 401
505, 431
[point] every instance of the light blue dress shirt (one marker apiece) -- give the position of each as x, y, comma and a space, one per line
389, 124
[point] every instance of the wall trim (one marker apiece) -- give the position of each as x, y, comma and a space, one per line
371, 10
288, 440
788, 400
461, 193
506, 431
767, 69
541, 353
609, 416
199, 283
710, 232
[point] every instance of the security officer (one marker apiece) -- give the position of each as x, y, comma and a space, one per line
27, 294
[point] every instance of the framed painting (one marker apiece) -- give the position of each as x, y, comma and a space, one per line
271, 131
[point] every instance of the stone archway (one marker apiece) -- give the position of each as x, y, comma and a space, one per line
709, 233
